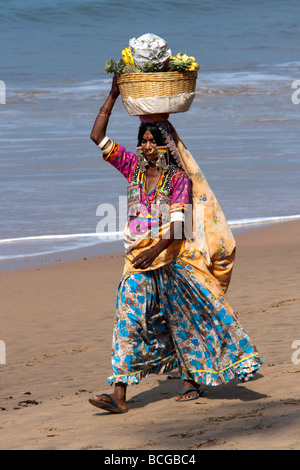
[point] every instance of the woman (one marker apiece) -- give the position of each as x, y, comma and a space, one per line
171, 306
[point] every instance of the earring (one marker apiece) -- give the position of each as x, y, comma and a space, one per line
143, 163
171, 146
161, 162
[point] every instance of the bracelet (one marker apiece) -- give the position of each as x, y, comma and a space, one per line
103, 114
109, 148
103, 142
105, 111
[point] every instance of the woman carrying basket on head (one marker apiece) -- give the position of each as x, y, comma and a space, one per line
172, 311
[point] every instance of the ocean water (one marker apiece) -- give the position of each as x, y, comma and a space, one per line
243, 127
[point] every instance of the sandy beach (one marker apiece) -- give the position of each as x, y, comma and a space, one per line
57, 320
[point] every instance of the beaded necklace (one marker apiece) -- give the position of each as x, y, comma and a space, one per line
159, 187
163, 184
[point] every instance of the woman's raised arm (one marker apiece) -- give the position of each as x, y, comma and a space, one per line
99, 129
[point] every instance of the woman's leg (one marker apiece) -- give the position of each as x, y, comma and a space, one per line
142, 342
211, 346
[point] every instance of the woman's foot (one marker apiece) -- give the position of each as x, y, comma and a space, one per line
114, 403
189, 391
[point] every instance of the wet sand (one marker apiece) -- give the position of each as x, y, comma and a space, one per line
57, 320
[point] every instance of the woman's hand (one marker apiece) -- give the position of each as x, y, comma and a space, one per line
144, 259
115, 88
100, 125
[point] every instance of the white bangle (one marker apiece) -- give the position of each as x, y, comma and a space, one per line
106, 151
177, 217
103, 142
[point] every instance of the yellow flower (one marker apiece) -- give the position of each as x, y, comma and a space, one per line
194, 66
127, 56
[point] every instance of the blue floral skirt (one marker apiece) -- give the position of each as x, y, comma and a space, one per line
167, 319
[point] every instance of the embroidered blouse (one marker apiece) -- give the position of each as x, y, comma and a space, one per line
148, 211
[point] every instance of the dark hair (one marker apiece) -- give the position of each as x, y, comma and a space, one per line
159, 139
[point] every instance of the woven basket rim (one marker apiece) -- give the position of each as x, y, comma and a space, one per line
156, 76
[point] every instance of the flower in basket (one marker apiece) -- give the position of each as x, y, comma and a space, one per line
127, 56
183, 62
149, 54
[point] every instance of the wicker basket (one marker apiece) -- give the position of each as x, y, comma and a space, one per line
144, 85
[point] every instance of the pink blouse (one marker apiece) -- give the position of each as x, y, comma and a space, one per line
148, 211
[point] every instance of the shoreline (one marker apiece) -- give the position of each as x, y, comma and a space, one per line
57, 322
88, 252
116, 246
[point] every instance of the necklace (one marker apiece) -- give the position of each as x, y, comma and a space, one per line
158, 187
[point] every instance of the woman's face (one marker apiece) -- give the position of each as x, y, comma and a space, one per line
149, 146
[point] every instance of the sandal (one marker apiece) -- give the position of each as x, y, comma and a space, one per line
193, 389
112, 408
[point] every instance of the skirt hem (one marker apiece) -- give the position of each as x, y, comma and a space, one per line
135, 377
242, 370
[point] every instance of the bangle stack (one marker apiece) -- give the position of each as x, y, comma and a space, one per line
104, 112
